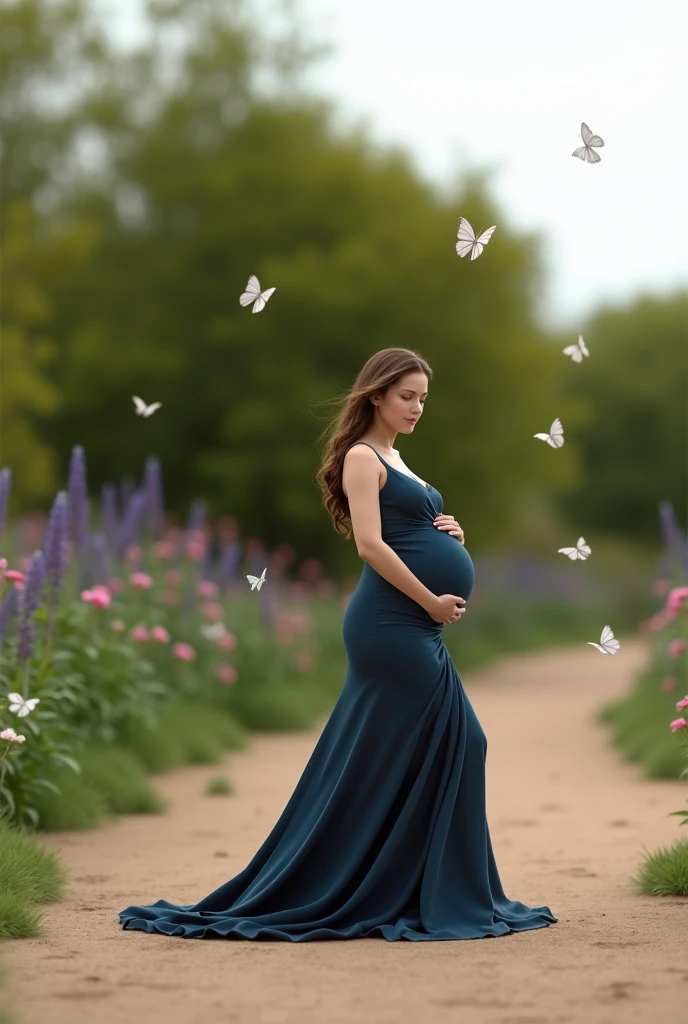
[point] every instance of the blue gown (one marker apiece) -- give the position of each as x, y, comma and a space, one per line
386, 832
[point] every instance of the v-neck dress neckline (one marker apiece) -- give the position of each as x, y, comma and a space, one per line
426, 487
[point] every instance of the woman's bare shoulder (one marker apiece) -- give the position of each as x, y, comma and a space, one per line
360, 454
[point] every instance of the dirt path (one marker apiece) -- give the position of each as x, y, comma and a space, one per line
568, 824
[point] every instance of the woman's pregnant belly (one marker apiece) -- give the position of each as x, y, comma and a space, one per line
439, 561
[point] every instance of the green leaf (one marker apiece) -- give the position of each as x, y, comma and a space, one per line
69, 761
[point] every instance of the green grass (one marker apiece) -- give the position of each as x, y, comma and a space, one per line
31, 875
639, 727
664, 872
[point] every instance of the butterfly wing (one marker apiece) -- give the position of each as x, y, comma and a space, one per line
581, 344
571, 552
140, 405
589, 139
262, 299
152, 408
592, 157
574, 352
581, 153
252, 291
252, 580
583, 548
486, 235
597, 646
466, 237
556, 431
608, 641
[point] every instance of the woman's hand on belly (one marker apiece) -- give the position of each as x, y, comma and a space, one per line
449, 525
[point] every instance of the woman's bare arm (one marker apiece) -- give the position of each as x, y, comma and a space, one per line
361, 477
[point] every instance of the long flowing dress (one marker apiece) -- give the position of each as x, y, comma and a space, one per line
386, 832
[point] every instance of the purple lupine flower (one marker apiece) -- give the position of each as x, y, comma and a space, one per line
9, 608
55, 547
100, 572
32, 593
78, 498
152, 486
197, 516
230, 556
130, 526
5, 484
673, 534
127, 488
109, 514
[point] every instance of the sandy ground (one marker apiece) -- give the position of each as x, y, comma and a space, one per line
569, 824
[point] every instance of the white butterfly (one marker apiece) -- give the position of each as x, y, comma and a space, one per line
213, 630
142, 409
555, 438
254, 295
468, 242
607, 644
586, 152
581, 550
576, 351
20, 706
257, 581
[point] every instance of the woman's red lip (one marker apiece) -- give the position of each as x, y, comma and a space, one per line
409, 420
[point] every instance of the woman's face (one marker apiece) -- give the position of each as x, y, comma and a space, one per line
404, 402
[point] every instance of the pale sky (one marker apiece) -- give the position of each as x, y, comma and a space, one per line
503, 86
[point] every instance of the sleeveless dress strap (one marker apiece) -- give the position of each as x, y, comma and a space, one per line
368, 446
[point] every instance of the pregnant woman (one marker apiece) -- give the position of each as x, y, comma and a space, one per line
386, 832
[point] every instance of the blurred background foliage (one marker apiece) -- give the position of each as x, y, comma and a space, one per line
139, 191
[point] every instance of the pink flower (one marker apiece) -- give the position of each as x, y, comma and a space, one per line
14, 574
173, 577
164, 549
661, 587
226, 673
11, 736
668, 684
675, 600
133, 554
160, 634
169, 596
206, 588
683, 703
658, 621
227, 641
677, 647
678, 723
195, 545
212, 610
98, 598
3, 564
142, 580
115, 584
183, 652
117, 625
140, 634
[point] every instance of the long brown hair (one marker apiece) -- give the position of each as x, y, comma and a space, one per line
382, 370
